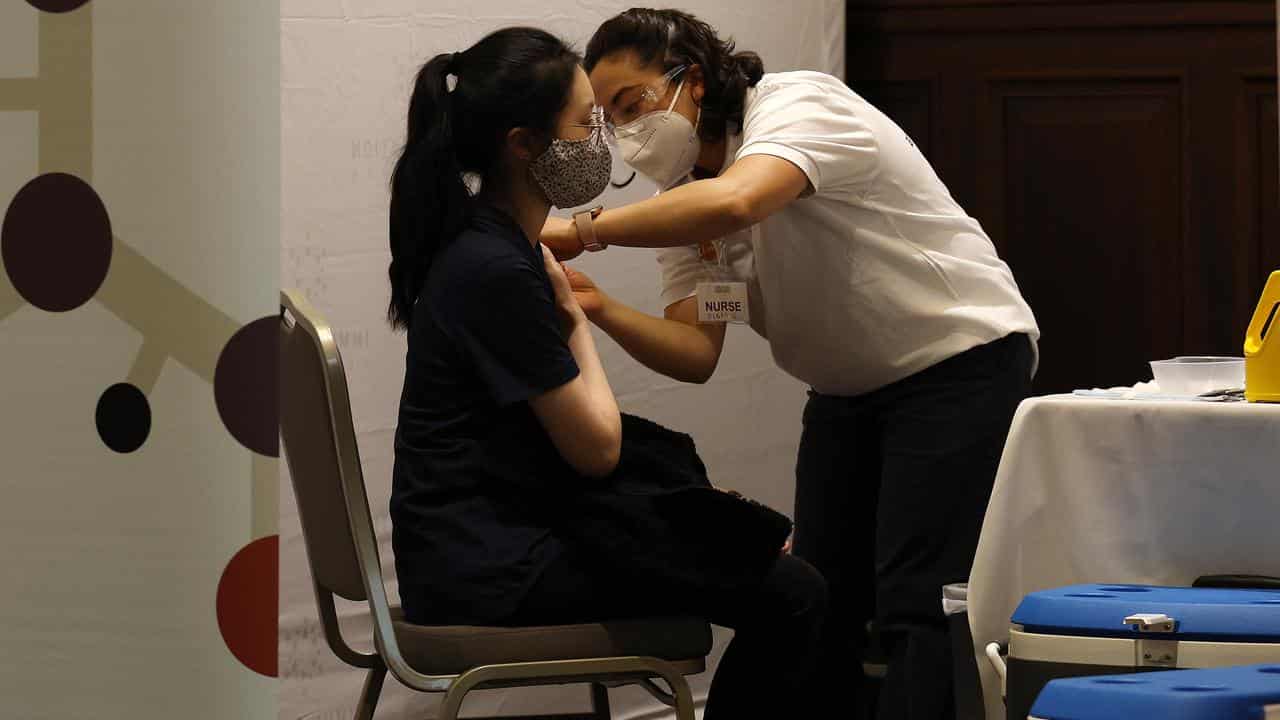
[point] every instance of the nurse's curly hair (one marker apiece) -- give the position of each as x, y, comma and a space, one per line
674, 38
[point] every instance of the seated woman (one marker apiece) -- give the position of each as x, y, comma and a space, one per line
510, 441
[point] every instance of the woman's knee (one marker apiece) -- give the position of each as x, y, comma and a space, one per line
804, 587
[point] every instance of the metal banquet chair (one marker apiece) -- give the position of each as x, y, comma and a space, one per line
319, 444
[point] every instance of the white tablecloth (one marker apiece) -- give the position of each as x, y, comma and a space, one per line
1131, 491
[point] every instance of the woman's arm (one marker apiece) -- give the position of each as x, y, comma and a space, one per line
751, 190
675, 346
582, 415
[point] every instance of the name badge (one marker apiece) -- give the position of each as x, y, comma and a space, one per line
723, 302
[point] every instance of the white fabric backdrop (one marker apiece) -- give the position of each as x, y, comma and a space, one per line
347, 68
1121, 491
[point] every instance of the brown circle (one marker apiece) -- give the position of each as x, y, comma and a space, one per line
56, 242
56, 6
248, 603
245, 386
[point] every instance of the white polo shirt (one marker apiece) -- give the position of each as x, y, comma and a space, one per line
875, 275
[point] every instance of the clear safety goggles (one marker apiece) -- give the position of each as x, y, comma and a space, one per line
647, 100
597, 124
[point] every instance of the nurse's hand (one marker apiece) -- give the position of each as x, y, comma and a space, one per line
562, 237
570, 311
591, 298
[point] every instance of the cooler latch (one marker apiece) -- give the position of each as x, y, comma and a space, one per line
1151, 622
1152, 652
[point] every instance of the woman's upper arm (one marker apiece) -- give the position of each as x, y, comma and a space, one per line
504, 321
576, 427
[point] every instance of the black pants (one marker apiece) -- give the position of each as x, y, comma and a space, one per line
891, 489
768, 670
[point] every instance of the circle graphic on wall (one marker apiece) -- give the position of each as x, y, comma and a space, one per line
248, 605
123, 418
56, 6
56, 242
246, 386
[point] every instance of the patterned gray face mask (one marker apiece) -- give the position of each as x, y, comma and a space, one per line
574, 172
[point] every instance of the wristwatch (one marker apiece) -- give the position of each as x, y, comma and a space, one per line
583, 221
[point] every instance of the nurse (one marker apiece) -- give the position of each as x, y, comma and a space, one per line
789, 202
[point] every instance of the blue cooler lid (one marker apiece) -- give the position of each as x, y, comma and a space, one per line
1198, 613
1236, 693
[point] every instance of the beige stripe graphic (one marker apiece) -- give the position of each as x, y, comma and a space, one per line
266, 496
174, 320
10, 301
176, 324
66, 92
147, 366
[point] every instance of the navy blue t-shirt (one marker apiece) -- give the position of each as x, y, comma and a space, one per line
472, 461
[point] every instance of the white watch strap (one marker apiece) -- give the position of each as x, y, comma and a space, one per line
587, 231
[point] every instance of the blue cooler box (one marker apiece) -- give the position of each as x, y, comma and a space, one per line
1251, 692
1085, 630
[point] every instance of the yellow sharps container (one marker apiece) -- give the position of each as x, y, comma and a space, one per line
1262, 347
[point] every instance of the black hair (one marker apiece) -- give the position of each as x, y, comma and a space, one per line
677, 38
515, 77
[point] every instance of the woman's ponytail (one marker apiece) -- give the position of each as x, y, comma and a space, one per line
429, 200
516, 77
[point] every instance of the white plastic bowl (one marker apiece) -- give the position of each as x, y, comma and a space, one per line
1196, 375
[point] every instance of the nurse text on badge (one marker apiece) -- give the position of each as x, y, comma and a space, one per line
722, 302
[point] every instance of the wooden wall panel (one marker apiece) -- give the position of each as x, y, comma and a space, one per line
1258, 197
910, 104
1121, 154
1098, 269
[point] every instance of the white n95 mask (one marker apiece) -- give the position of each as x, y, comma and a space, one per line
663, 145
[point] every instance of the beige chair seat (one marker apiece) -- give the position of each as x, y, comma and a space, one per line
454, 649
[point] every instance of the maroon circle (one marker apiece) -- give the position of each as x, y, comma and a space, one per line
56, 242
248, 605
56, 6
245, 386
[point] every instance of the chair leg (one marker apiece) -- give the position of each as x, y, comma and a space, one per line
564, 670
452, 703
600, 702
683, 696
369, 695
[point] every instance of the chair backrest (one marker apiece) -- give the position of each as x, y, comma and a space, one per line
320, 447
324, 464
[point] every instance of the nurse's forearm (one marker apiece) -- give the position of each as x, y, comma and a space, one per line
678, 350
751, 190
699, 211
